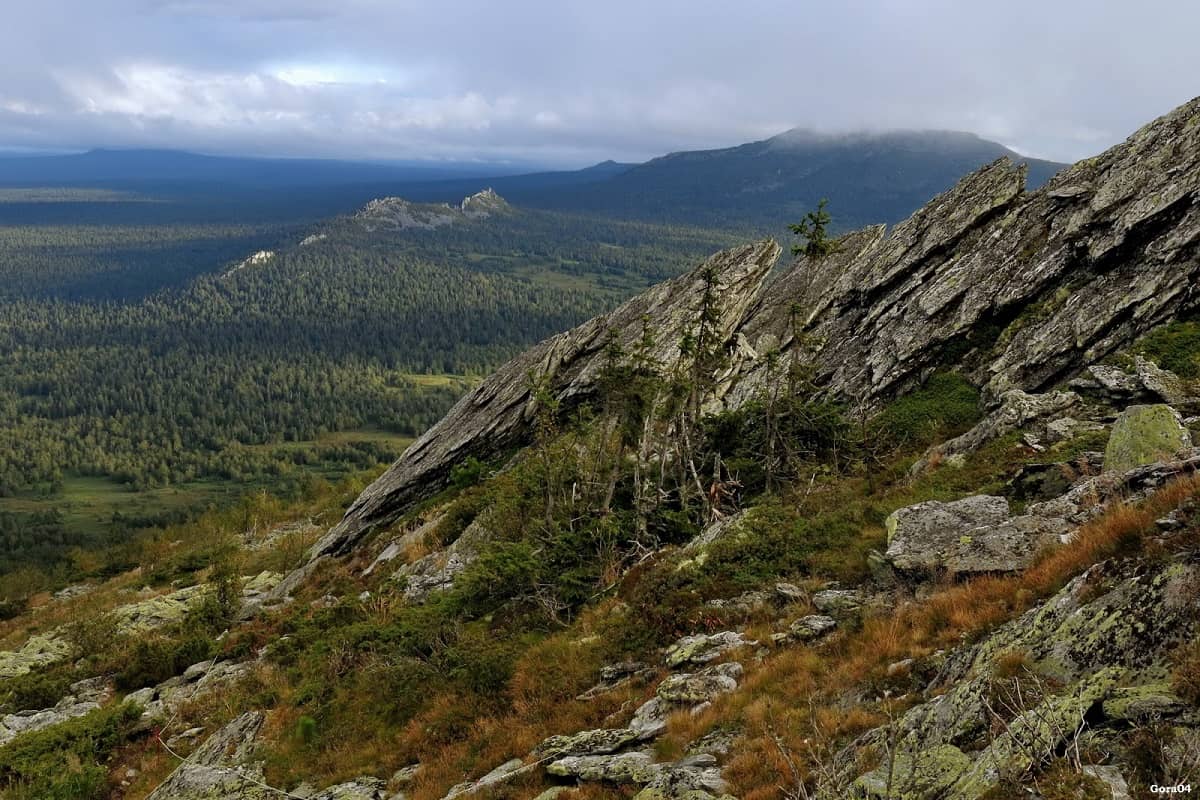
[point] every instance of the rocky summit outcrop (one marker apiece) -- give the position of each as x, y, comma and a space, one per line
398, 214
1018, 290
498, 415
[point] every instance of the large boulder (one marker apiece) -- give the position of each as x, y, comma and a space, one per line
1144, 435
973, 535
222, 768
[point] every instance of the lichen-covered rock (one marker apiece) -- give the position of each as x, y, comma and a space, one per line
972, 535
1145, 703
1101, 637
1033, 736
586, 743
222, 768
39, 651
691, 778
650, 719
501, 774
198, 680
812, 627
1144, 435
636, 767
1147, 383
86, 696
702, 648
700, 687
837, 601
915, 774
365, 788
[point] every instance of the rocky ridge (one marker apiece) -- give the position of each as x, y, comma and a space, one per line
1019, 290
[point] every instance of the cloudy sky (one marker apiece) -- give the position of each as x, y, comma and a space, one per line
572, 82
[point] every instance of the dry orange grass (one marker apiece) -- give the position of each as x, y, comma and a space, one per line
789, 702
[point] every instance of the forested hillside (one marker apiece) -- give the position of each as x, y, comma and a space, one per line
121, 372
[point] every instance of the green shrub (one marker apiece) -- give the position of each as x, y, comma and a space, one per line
457, 516
306, 730
34, 690
66, 761
154, 660
945, 405
469, 472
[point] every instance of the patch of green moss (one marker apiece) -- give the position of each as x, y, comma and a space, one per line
945, 405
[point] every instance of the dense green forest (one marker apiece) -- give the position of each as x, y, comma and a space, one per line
146, 361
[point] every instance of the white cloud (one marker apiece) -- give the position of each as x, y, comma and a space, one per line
574, 81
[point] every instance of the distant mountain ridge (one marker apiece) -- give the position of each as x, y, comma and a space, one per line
867, 178
120, 166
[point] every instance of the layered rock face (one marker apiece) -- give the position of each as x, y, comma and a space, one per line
1019, 290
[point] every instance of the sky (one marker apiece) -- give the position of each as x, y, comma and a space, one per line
568, 83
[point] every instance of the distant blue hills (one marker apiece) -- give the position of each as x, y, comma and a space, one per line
867, 178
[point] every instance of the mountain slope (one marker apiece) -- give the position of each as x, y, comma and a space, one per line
867, 178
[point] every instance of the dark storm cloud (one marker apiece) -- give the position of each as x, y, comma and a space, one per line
572, 82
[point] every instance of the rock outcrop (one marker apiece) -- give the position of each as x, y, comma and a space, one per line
1019, 290
973, 535
498, 415
86, 696
221, 768
398, 214
1090, 655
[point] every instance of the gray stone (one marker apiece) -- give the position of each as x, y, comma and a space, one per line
365, 788
972, 535
501, 774
650, 719
586, 743
811, 627
702, 648
837, 601
636, 767
222, 768
84, 697
700, 687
